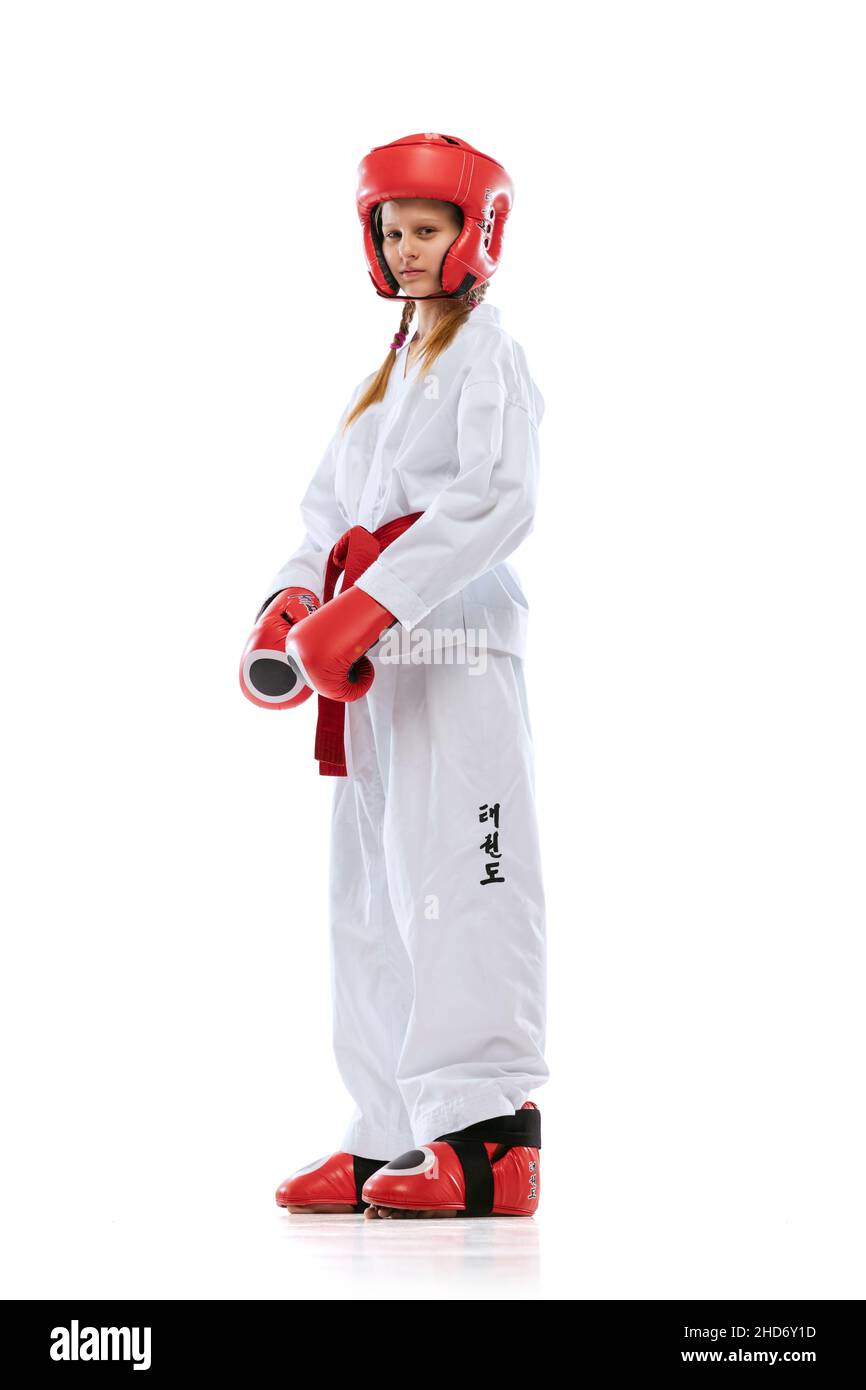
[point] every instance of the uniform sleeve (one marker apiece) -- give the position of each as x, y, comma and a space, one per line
323, 519
476, 521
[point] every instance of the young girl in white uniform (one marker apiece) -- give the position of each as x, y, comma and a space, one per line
436, 901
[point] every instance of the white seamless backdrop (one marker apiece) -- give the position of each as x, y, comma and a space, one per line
185, 307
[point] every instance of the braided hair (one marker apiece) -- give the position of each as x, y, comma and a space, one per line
440, 336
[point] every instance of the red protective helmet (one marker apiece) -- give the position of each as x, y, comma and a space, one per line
442, 167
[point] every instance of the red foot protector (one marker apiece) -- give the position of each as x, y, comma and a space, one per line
338, 1178
488, 1169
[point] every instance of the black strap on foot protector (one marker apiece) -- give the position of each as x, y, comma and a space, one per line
509, 1132
364, 1169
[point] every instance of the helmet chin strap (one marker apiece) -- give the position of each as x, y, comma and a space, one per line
441, 294
394, 298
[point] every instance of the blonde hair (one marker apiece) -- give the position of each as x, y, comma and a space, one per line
440, 336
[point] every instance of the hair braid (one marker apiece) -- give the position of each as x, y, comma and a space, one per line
405, 319
436, 341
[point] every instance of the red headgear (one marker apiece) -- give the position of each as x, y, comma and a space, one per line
441, 167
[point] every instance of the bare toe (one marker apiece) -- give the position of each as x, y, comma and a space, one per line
374, 1212
404, 1213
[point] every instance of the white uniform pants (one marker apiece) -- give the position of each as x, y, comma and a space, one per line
437, 912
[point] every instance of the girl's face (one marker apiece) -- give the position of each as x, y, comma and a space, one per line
416, 233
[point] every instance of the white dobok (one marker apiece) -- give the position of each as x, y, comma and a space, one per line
436, 902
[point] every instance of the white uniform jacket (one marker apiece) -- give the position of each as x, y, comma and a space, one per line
460, 444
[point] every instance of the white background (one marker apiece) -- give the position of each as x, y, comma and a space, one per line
185, 308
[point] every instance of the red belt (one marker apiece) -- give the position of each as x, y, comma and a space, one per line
354, 552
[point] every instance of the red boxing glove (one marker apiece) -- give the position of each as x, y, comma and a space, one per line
328, 648
267, 677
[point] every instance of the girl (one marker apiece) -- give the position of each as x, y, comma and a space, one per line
436, 900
